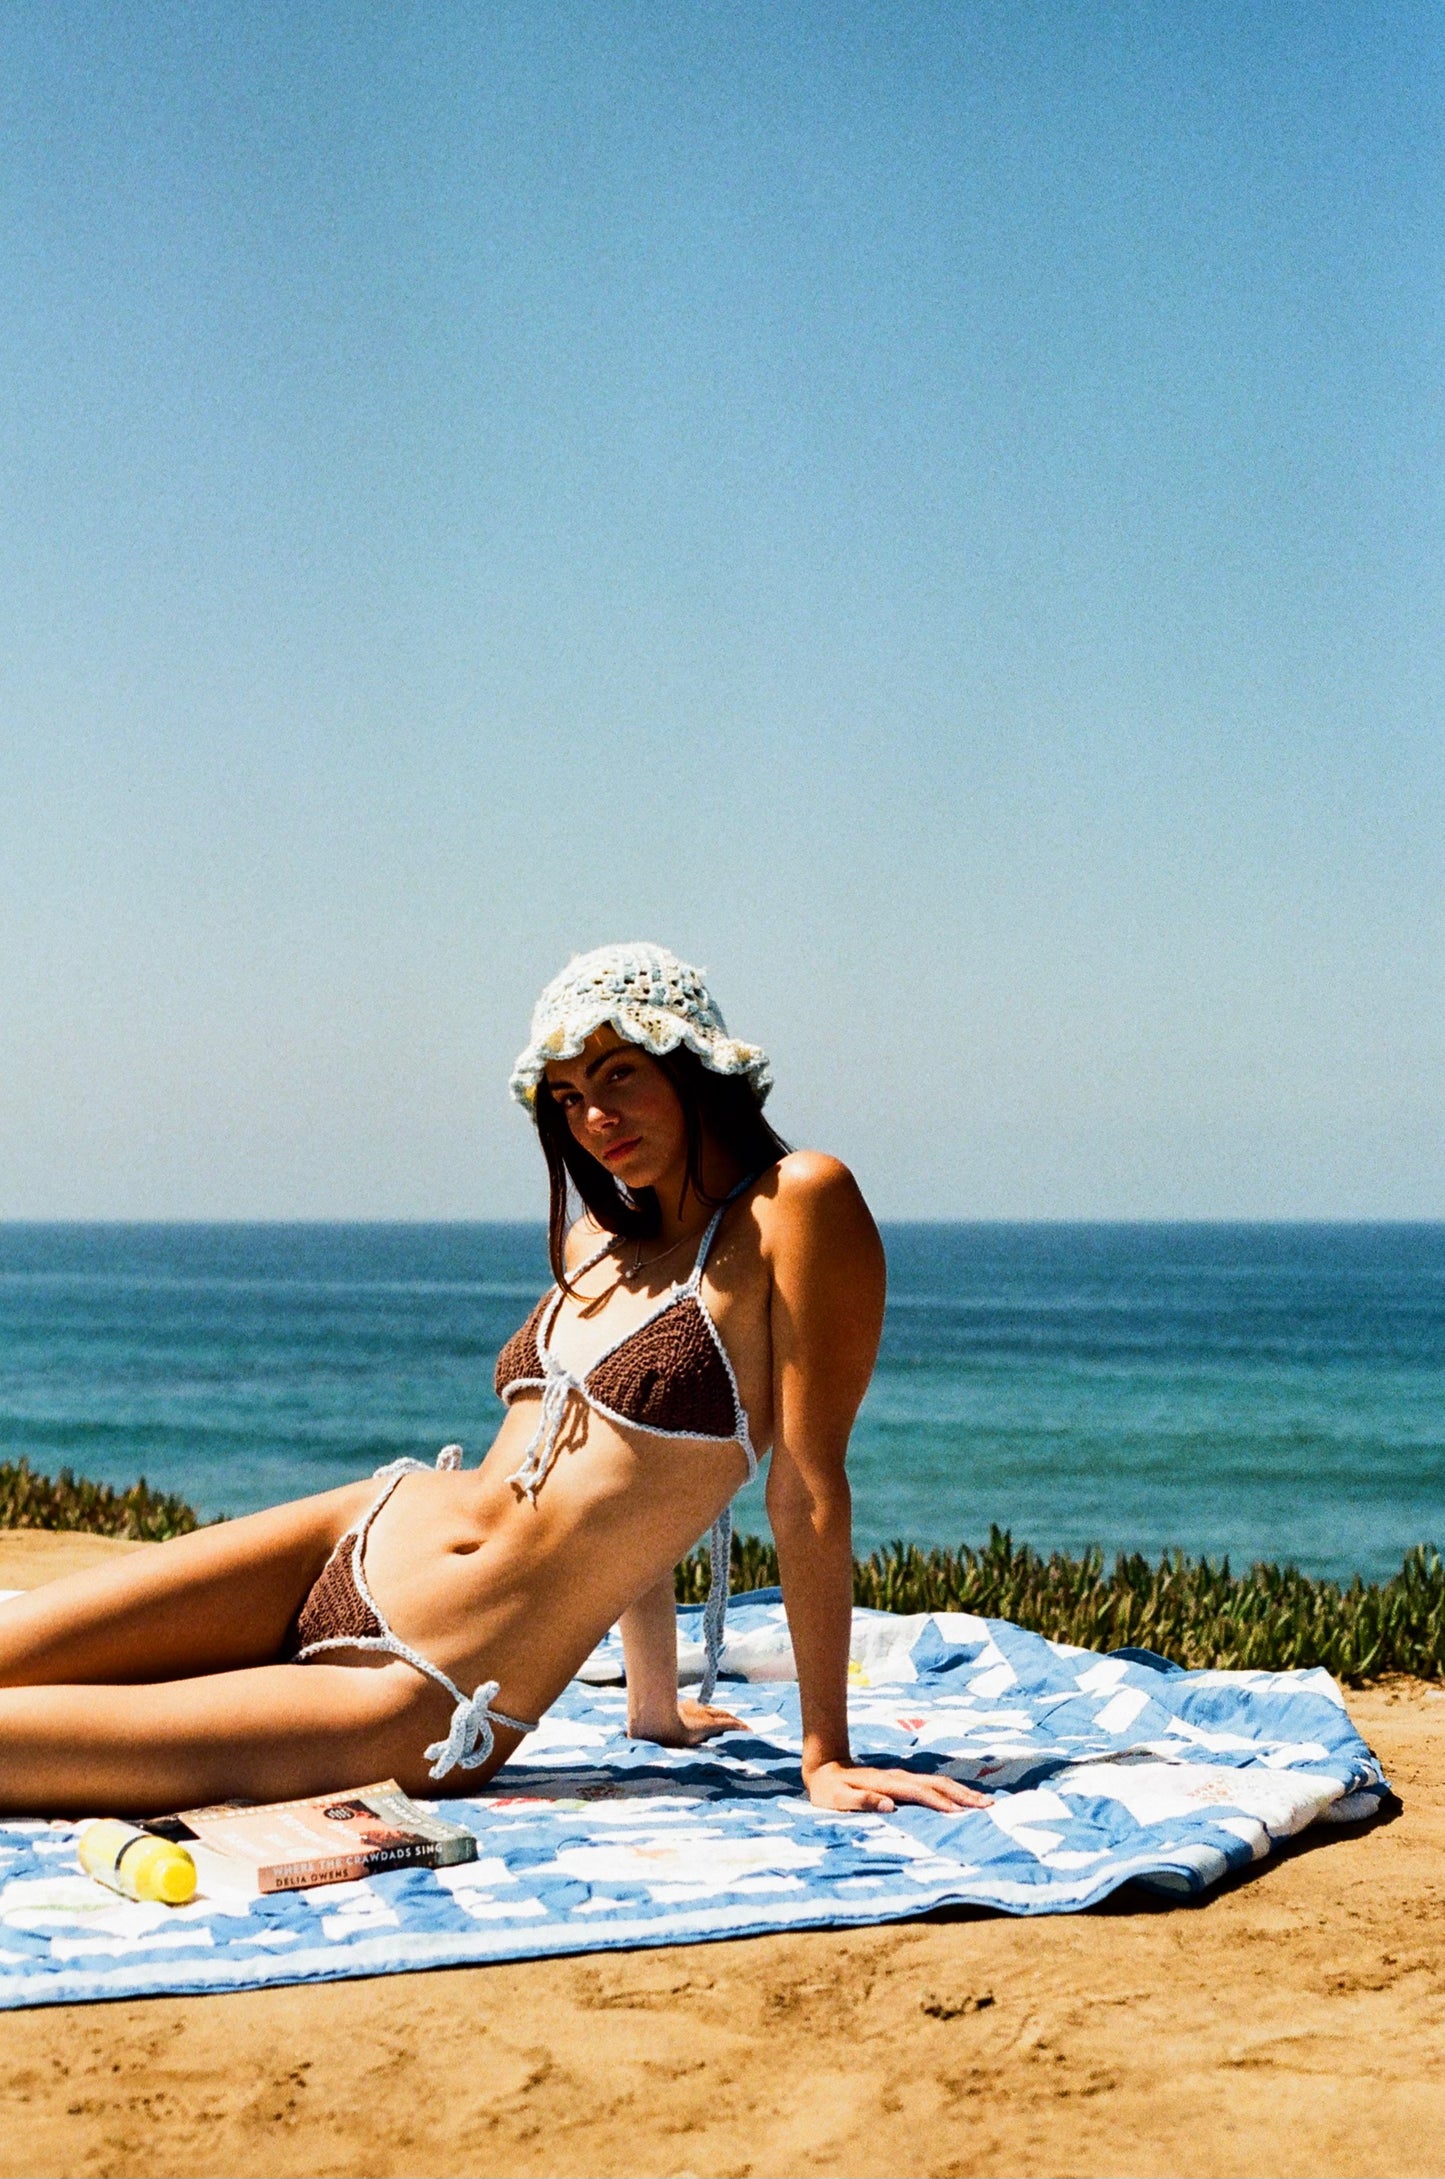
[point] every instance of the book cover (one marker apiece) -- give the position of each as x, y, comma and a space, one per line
330, 1838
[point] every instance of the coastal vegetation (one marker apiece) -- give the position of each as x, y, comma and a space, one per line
68, 1501
1195, 1611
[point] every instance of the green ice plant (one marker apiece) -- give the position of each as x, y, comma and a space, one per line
1192, 1610
68, 1501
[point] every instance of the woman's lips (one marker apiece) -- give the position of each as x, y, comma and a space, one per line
620, 1150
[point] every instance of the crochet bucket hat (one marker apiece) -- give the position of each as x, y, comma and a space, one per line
650, 998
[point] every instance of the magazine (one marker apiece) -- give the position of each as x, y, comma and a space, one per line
332, 1838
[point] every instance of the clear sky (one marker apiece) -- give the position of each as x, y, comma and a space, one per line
933, 511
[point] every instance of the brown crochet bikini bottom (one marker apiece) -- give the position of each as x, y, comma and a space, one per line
339, 1613
335, 1609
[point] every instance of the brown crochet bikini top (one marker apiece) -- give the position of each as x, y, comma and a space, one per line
670, 1375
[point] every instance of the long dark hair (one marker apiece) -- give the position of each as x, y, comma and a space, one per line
721, 1107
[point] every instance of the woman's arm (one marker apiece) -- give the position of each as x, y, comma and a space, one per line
829, 1281
649, 1654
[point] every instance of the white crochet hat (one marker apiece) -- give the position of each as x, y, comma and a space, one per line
649, 997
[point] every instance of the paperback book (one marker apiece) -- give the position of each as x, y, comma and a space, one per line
332, 1838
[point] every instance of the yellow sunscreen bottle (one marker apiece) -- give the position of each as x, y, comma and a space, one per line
136, 1863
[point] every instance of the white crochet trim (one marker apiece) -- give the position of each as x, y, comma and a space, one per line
651, 998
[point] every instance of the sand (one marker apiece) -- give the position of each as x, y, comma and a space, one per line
1293, 2023
29, 1556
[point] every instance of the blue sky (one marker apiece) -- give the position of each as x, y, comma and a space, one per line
933, 511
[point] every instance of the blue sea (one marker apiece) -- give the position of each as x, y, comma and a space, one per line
1260, 1391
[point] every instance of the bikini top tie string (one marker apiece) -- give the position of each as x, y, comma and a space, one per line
542, 1445
715, 1611
557, 1388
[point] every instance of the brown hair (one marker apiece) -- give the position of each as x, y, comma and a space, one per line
721, 1107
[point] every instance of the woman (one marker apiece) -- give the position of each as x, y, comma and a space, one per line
719, 1297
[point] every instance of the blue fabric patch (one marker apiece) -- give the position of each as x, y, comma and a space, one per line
1104, 1770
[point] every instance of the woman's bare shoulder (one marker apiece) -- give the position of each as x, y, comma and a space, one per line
807, 1175
811, 1193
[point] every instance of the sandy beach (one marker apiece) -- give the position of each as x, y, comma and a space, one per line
1293, 2023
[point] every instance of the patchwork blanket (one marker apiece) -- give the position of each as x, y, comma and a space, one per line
1104, 1771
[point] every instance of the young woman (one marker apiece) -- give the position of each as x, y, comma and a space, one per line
719, 1298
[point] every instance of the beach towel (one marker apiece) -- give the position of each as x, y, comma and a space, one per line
1105, 1771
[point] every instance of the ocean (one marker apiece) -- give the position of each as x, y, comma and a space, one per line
1255, 1391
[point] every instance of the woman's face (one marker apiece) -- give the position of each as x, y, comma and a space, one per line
621, 1107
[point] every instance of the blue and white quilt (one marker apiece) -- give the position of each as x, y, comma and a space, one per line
1104, 1770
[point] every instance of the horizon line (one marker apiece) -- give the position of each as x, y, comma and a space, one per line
232, 1222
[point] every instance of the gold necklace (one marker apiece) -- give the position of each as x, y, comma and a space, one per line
638, 1265
626, 1273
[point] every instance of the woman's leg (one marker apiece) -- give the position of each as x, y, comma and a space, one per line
209, 1602
271, 1733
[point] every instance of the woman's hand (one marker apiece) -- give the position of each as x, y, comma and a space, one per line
689, 1725
853, 1787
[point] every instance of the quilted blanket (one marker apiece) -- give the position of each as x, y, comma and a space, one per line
1104, 1770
